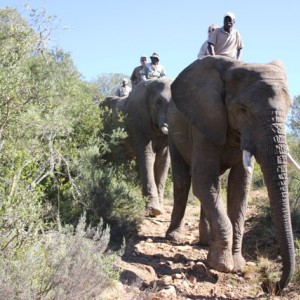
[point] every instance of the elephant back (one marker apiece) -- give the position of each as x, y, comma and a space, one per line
115, 104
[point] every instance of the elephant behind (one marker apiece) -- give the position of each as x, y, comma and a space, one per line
223, 114
145, 111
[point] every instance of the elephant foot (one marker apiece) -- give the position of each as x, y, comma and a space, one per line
239, 262
220, 259
174, 235
153, 211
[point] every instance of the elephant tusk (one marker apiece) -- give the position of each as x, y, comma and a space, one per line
248, 161
164, 129
293, 162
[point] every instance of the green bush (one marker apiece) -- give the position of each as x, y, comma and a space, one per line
294, 185
109, 193
53, 170
296, 278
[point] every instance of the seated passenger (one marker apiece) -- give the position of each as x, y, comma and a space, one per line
154, 69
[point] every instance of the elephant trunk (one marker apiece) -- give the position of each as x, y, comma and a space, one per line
161, 118
273, 161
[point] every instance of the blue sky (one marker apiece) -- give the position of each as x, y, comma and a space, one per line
108, 36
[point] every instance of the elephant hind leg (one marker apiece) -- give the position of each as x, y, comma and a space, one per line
181, 187
181, 191
204, 229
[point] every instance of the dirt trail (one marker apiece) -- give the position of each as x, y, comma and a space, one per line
155, 268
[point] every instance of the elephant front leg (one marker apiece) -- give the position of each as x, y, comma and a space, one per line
238, 188
220, 244
146, 160
206, 187
161, 168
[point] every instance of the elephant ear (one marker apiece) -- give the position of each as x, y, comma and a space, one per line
283, 74
137, 108
279, 64
199, 92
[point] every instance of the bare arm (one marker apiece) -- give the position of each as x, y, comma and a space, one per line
211, 49
162, 73
239, 54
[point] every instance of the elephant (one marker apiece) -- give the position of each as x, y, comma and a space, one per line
145, 110
224, 114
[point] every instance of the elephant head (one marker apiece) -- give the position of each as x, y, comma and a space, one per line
232, 103
148, 104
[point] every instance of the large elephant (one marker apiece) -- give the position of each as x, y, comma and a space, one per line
224, 113
145, 111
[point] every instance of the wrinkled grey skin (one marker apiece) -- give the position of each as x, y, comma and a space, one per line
145, 111
220, 108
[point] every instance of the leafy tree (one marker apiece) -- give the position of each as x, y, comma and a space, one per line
108, 83
294, 177
20, 210
294, 118
50, 134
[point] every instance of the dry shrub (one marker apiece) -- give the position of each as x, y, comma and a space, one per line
61, 265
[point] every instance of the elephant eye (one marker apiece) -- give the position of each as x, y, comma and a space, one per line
159, 102
243, 109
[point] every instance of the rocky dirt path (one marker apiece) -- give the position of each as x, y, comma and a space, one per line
155, 268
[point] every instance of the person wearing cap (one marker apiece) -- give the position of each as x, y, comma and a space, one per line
124, 89
203, 50
226, 40
138, 72
154, 69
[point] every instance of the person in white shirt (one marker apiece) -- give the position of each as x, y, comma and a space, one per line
154, 69
203, 50
138, 72
226, 40
124, 89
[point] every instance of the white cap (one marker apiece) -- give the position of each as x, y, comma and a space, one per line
231, 15
124, 80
